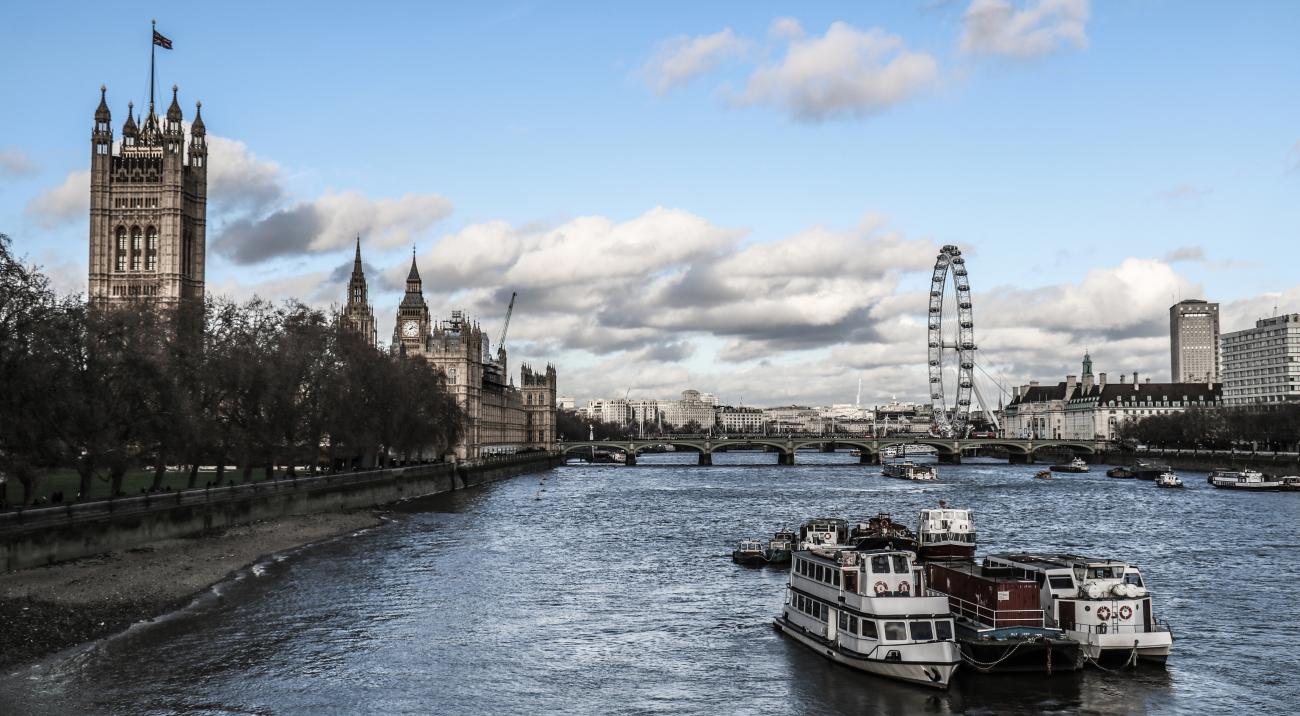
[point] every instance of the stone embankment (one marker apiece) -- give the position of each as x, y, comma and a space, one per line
105, 566
1203, 461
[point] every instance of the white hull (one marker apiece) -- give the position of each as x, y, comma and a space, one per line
1151, 646
933, 675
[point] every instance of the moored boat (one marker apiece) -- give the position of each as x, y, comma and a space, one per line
907, 470
1001, 625
822, 531
1043, 475
1168, 479
946, 533
1145, 470
1075, 465
749, 553
882, 532
1101, 603
863, 609
1244, 479
1121, 472
780, 547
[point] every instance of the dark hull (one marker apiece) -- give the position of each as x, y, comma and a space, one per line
1122, 473
947, 552
1067, 468
1019, 656
748, 560
1150, 472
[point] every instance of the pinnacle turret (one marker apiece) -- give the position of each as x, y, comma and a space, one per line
101, 112
197, 129
174, 112
129, 129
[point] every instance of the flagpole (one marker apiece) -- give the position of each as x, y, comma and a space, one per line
154, 25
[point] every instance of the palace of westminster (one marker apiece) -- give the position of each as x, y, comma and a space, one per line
148, 231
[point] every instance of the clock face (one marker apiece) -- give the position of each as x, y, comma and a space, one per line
410, 328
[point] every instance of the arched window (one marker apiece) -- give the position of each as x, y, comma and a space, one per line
151, 249
121, 248
137, 241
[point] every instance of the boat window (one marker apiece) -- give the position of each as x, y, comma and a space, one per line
1061, 581
1133, 578
1104, 572
900, 564
896, 631
835, 577
844, 621
853, 625
869, 629
817, 574
880, 564
922, 631
943, 629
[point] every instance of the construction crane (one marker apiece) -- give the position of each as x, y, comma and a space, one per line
501, 342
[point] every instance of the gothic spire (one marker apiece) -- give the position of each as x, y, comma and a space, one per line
357, 271
197, 129
174, 111
129, 129
415, 273
101, 112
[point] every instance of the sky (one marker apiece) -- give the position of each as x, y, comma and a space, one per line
742, 198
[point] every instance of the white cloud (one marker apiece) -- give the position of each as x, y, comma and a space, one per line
997, 27
239, 180
679, 59
1185, 192
329, 223
845, 73
65, 203
786, 28
13, 162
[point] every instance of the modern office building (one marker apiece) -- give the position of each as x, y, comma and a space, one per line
1261, 365
1194, 342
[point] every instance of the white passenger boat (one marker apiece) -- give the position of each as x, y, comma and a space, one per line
1168, 479
1075, 465
822, 532
863, 609
946, 533
907, 471
1103, 604
1244, 479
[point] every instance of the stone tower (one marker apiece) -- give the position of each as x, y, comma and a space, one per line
358, 314
539, 406
148, 207
411, 334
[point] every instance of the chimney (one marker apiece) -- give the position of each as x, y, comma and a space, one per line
1015, 392
1121, 379
1147, 380
1071, 382
1033, 384
1135, 376
1101, 380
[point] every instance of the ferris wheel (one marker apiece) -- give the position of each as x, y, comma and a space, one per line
951, 343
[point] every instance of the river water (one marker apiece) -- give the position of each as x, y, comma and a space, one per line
610, 590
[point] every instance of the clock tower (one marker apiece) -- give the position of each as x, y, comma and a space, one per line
411, 334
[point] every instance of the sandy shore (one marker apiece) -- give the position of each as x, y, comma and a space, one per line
45, 609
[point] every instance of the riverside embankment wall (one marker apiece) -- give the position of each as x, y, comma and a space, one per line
32, 538
1204, 461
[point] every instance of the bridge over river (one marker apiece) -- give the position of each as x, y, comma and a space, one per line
949, 450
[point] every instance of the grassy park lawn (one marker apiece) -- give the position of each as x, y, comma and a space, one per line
66, 480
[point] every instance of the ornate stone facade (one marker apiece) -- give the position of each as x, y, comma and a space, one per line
358, 314
501, 417
148, 207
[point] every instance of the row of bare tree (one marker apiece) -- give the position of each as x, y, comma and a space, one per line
254, 385
1273, 428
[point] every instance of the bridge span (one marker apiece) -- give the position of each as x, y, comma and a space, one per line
949, 450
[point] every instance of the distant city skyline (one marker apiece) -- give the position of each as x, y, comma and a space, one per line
727, 198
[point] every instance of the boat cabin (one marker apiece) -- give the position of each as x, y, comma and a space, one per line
823, 531
946, 533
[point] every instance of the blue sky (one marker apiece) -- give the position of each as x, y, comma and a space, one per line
1059, 142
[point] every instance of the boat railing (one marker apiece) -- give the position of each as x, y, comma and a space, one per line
997, 618
1110, 628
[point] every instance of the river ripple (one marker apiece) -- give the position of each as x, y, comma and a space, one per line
613, 593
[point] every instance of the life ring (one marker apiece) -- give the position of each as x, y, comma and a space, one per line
1125, 612
905, 587
881, 587
1103, 614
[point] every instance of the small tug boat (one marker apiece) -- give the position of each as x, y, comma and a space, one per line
749, 553
863, 609
1168, 479
907, 470
946, 534
1075, 465
1244, 479
881, 532
1149, 470
1043, 475
822, 531
1103, 604
779, 548
1001, 625
1121, 472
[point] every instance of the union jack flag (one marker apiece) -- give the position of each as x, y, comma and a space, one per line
161, 41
